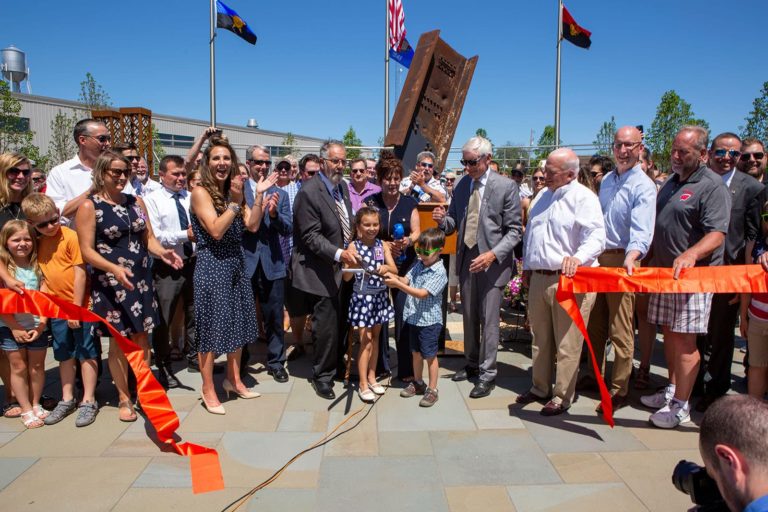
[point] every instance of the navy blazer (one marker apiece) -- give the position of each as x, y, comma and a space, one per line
263, 246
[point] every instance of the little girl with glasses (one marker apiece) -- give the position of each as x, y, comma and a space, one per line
369, 306
23, 336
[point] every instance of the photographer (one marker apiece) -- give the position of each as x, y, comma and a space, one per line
733, 442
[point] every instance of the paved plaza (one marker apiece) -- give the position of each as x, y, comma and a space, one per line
460, 455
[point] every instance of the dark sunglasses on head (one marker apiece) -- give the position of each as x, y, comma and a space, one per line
50, 222
469, 163
427, 252
720, 153
15, 171
745, 156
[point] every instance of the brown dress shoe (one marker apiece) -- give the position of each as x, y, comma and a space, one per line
617, 402
528, 398
553, 409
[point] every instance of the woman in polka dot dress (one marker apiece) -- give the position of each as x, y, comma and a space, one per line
369, 307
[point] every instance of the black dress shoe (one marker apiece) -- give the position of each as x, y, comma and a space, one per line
278, 373
482, 388
553, 409
464, 374
167, 378
323, 390
528, 398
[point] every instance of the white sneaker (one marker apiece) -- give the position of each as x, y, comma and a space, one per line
671, 415
657, 400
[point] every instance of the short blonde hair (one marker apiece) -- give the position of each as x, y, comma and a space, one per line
38, 205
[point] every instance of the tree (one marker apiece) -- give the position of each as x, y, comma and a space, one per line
672, 114
62, 145
15, 134
757, 122
604, 138
546, 143
93, 95
509, 155
289, 145
157, 148
351, 139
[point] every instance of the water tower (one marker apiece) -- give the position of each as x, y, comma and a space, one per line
14, 67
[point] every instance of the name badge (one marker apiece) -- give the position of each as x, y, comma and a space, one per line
378, 253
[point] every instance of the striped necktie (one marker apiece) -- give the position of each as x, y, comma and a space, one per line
341, 211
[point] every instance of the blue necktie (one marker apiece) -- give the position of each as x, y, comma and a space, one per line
183, 223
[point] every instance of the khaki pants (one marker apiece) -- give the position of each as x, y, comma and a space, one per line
611, 319
555, 339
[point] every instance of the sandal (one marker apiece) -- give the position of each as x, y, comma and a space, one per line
12, 410
127, 405
30, 420
40, 411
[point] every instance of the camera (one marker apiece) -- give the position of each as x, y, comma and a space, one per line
693, 480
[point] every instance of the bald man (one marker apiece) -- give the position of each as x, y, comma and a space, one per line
628, 201
565, 231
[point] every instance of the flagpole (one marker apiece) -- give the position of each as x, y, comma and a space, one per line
213, 63
386, 71
557, 73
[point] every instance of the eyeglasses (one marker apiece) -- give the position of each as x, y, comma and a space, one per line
427, 252
116, 173
538, 178
629, 145
470, 163
50, 222
101, 138
745, 156
336, 161
260, 162
133, 158
15, 171
355, 171
425, 164
720, 153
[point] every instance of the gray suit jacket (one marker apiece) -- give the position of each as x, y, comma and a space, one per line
499, 227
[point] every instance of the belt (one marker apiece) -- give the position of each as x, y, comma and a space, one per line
548, 272
613, 251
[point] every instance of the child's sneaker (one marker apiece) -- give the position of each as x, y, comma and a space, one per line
414, 388
430, 397
658, 399
671, 415
61, 411
86, 414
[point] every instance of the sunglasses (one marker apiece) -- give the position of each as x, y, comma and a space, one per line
355, 171
311, 173
284, 167
720, 153
336, 161
427, 252
539, 178
101, 138
133, 158
116, 173
469, 163
425, 164
260, 162
50, 222
15, 171
450, 180
745, 156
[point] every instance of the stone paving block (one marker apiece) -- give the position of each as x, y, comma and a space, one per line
649, 475
404, 414
491, 457
472, 499
6, 437
113, 476
296, 421
577, 430
260, 414
494, 419
141, 444
142, 425
166, 472
361, 441
12, 467
64, 439
281, 500
607, 497
10, 425
175, 500
303, 398
236, 473
393, 444
685, 437
580, 468
413, 485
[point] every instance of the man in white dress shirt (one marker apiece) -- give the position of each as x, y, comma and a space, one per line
70, 182
168, 211
565, 231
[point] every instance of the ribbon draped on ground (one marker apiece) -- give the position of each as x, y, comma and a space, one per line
721, 279
204, 462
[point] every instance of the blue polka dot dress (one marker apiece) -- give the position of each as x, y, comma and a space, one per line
370, 304
225, 312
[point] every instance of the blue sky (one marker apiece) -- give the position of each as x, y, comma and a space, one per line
318, 66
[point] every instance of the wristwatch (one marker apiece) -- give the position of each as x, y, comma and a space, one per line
234, 207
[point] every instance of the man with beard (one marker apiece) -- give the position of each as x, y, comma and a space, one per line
753, 159
322, 219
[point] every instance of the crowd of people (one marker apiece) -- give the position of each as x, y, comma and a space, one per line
224, 254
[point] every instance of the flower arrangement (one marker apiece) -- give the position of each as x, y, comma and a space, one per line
515, 294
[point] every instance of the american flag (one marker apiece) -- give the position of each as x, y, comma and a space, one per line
396, 24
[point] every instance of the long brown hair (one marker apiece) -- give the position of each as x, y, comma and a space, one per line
9, 161
9, 229
208, 179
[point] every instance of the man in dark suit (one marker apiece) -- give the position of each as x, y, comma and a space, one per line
264, 261
322, 220
486, 211
714, 377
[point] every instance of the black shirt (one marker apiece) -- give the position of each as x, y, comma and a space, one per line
401, 214
12, 211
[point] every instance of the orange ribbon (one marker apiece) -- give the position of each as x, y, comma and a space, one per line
723, 279
204, 462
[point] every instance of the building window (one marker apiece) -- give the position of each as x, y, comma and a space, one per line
176, 141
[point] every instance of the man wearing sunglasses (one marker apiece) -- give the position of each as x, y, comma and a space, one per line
753, 159
422, 184
70, 182
714, 377
485, 210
